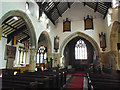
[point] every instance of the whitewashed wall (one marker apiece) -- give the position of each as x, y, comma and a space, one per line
19, 5
76, 14
2, 52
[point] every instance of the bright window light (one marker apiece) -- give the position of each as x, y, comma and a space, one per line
115, 3
80, 50
15, 18
109, 19
27, 6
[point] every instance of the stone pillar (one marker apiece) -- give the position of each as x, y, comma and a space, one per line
119, 13
10, 63
114, 59
56, 59
32, 61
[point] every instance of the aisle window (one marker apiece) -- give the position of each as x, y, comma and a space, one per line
41, 55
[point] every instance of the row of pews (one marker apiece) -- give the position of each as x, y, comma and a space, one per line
54, 78
103, 82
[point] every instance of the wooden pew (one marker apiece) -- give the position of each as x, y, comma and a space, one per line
103, 82
105, 86
52, 78
30, 82
55, 79
58, 76
15, 84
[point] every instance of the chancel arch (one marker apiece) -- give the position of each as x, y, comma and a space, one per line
114, 39
17, 23
84, 36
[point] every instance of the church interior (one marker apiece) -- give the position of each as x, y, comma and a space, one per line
55, 44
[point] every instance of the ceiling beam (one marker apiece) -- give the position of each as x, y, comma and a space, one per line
58, 11
56, 3
50, 18
6, 28
24, 39
25, 33
40, 9
16, 32
40, 12
16, 22
108, 4
96, 7
84, 3
68, 5
105, 13
7, 19
10, 25
43, 8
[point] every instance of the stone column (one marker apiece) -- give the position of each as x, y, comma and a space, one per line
32, 61
10, 63
119, 13
56, 59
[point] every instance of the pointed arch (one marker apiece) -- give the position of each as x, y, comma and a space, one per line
83, 35
114, 35
28, 24
114, 57
46, 37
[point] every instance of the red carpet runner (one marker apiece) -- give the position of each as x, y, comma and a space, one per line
77, 73
77, 83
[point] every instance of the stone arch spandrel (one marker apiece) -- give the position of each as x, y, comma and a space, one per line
28, 24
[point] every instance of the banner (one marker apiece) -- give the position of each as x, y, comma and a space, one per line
10, 52
14, 40
26, 45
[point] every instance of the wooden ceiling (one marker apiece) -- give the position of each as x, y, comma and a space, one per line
15, 27
54, 10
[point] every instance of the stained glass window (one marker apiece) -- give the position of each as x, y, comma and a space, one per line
80, 50
41, 55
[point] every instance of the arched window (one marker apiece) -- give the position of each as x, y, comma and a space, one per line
80, 50
41, 55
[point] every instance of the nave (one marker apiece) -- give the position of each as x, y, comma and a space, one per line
60, 79
60, 45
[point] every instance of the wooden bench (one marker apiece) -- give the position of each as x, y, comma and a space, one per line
46, 79
10, 80
103, 82
58, 76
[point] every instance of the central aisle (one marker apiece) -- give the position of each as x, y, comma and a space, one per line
77, 81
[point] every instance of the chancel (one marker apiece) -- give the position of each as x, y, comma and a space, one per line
46, 44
